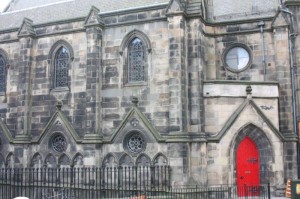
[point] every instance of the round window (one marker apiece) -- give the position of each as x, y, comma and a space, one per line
135, 142
58, 143
237, 58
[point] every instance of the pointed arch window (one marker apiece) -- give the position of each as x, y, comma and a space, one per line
136, 61
61, 67
2, 74
135, 50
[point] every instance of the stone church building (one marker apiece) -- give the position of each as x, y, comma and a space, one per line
205, 86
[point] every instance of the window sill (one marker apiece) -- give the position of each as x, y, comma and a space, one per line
135, 84
60, 89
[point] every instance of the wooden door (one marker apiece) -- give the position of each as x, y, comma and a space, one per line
247, 166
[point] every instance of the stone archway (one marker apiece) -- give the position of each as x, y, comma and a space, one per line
265, 151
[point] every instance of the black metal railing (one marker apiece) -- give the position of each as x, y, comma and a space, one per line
222, 192
112, 182
83, 183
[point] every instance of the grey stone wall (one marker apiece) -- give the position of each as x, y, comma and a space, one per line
191, 110
238, 10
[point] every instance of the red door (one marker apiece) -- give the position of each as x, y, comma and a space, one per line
247, 166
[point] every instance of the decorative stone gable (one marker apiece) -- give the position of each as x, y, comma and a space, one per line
136, 121
175, 6
59, 123
5, 133
26, 28
280, 20
93, 18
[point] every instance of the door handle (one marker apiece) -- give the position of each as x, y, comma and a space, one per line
242, 177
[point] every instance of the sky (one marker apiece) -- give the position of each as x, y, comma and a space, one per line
3, 4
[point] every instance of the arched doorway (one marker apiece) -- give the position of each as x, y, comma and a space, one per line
265, 152
247, 168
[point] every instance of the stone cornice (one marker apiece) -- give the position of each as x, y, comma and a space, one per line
254, 31
137, 22
164, 18
133, 10
241, 82
292, 3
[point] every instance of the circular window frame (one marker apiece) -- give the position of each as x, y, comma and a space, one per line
50, 144
126, 139
235, 45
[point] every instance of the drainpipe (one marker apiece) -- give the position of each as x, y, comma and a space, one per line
261, 25
292, 37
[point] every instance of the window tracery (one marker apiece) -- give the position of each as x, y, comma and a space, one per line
135, 50
61, 65
136, 63
2, 74
58, 143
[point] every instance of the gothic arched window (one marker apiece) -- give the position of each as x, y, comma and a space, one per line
135, 50
61, 67
136, 61
2, 74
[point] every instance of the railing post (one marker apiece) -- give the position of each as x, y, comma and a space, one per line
269, 191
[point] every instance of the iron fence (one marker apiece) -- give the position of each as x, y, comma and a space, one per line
83, 183
222, 192
112, 182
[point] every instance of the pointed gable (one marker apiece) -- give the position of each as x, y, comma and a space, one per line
5, 131
247, 108
135, 119
93, 18
280, 20
26, 28
175, 7
59, 122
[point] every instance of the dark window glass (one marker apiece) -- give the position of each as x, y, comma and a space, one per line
2, 74
136, 61
58, 143
61, 68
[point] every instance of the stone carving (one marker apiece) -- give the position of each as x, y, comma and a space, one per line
78, 160
9, 163
64, 160
143, 160
57, 123
160, 160
109, 161
134, 122
126, 160
50, 161
36, 161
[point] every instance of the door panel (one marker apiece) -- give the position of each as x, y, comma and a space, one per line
247, 166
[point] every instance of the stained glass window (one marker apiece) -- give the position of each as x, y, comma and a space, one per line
61, 68
136, 61
58, 143
2, 74
134, 142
